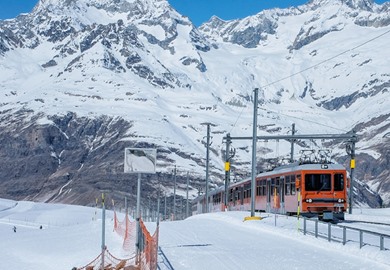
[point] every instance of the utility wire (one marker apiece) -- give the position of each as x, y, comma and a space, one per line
310, 121
312, 67
238, 118
327, 60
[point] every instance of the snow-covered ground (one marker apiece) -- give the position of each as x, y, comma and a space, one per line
71, 236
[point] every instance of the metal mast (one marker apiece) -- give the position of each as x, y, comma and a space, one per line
227, 170
254, 147
174, 194
292, 144
207, 166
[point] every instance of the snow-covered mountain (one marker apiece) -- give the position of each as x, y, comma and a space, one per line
82, 80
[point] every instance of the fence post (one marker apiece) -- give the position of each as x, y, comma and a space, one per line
344, 235
304, 225
329, 232
382, 242
316, 228
361, 238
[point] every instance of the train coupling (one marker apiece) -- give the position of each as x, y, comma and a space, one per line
332, 216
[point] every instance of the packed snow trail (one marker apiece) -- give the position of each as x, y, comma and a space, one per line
71, 237
224, 241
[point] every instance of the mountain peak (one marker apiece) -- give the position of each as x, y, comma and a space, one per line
83, 7
355, 4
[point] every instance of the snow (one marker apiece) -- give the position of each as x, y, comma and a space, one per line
71, 236
232, 73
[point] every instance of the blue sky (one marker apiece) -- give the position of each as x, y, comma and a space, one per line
198, 11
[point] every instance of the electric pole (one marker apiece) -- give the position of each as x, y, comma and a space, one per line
207, 166
187, 206
254, 147
229, 154
174, 194
292, 144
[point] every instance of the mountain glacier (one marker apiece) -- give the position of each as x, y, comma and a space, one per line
82, 80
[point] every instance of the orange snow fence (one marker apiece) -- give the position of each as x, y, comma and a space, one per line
127, 230
148, 246
110, 263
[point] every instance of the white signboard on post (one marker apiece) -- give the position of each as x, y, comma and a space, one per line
140, 160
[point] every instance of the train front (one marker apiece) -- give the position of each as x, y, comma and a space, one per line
324, 191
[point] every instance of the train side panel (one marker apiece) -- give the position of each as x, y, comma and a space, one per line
310, 189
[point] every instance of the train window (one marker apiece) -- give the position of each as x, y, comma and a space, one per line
237, 195
242, 195
287, 185
293, 184
317, 182
288, 189
338, 182
217, 198
260, 188
287, 179
247, 191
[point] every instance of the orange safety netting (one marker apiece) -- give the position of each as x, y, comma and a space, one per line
127, 230
148, 248
110, 263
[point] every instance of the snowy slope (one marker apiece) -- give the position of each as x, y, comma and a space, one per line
71, 237
322, 66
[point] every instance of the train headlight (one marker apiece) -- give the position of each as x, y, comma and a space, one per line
340, 200
309, 200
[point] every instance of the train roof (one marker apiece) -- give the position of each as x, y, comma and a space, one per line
293, 167
298, 167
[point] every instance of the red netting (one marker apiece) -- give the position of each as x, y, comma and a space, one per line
110, 263
148, 256
148, 249
127, 230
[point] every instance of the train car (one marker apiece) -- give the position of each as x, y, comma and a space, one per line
312, 190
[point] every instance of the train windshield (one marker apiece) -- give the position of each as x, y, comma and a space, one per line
318, 182
338, 182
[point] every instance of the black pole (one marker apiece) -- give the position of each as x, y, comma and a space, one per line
207, 166
227, 169
352, 166
292, 144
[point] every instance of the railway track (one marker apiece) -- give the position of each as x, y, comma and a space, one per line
163, 262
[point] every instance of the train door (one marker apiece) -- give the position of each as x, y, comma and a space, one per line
275, 191
281, 195
268, 190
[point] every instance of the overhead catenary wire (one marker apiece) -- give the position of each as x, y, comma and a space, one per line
306, 120
312, 67
327, 60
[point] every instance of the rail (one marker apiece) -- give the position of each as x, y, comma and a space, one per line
338, 233
164, 263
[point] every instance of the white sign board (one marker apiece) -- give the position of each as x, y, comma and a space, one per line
140, 160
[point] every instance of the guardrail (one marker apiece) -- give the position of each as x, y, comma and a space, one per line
338, 233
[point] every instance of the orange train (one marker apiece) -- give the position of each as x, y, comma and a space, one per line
312, 190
